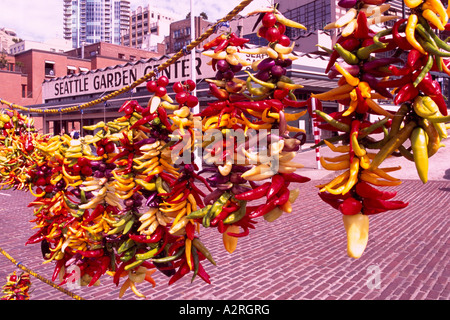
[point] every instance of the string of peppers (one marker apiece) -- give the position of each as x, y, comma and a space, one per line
125, 201
364, 78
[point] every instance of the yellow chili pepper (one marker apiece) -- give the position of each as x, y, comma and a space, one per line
432, 17
348, 77
357, 228
188, 252
419, 146
409, 32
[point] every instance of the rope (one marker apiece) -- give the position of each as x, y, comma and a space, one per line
146, 77
36, 275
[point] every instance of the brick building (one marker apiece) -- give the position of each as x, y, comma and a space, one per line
147, 28
180, 33
22, 75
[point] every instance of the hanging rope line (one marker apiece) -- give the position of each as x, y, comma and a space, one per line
146, 77
36, 275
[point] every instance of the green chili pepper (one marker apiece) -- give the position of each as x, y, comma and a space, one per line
439, 42
366, 131
382, 33
426, 68
200, 213
159, 186
215, 209
148, 255
196, 263
128, 254
260, 82
330, 120
392, 144
363, 53
432, 48
332, 140
398, 119
125, 246
201, 247
70, 204
134, 264
169, 258
348, 56
237, 215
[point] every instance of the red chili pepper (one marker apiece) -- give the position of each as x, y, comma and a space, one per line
118, 272
222, 45
400, 40
236, 41
400, 72
163, 117
414, 57
190, 231
350, 206
395, 83
362, 106
264, 208
406, 93
99, 209
365, 190
335, 203
283, 196
294, 104
294, 177
202, 274
129, 103
214, 42
155, 237
241, 234
276, 185
254, 194
166, 177
224, 213
181, 272
384, 204
362, 29
91, 253
58, 267
143, 120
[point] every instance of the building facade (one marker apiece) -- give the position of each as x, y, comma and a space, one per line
22, 74
55, 45
147, 28
180, 33
92, 21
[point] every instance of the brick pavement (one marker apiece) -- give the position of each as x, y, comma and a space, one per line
300, 256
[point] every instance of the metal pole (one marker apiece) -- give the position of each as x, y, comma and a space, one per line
316, 132
196, 109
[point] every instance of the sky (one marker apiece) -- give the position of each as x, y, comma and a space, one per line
43, 20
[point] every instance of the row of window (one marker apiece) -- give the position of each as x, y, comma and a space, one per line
182, 32
313, 15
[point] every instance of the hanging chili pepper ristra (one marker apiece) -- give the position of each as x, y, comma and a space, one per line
364, 78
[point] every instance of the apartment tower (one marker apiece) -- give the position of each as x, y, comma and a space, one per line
91, 21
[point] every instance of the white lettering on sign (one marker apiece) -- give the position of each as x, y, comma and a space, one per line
118, 77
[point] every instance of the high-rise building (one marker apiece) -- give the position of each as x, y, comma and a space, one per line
91, 21
147, 27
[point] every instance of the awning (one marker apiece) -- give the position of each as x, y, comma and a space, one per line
49, 62
83, 69
71, 68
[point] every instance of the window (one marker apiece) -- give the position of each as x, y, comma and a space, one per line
49, 69
71, 70
132, 58
121, 56
24, 91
